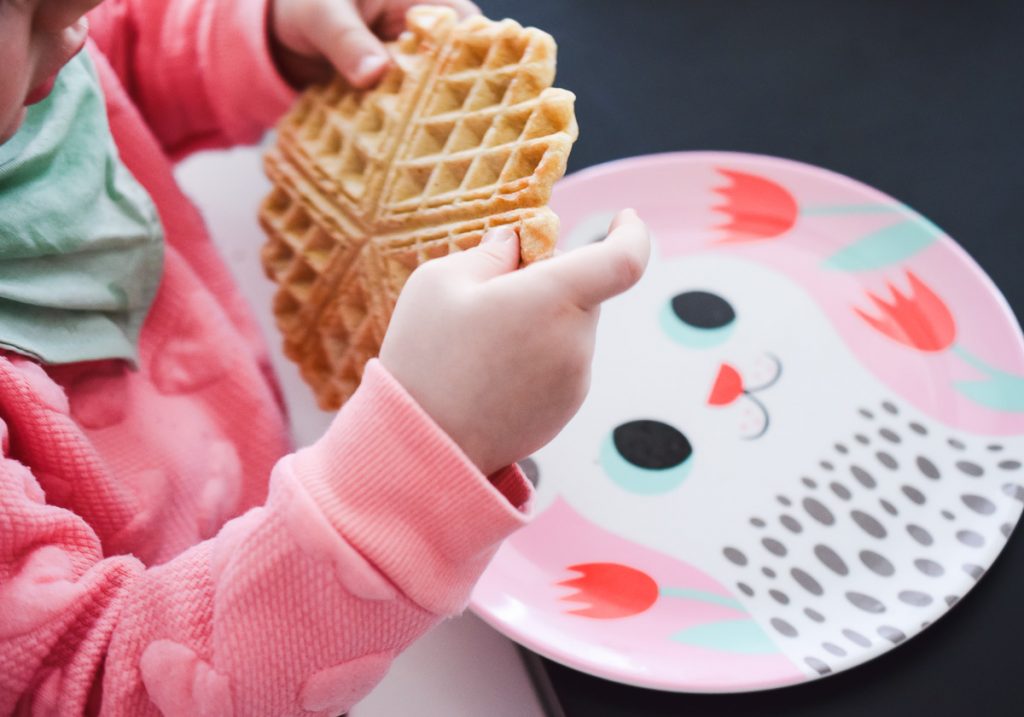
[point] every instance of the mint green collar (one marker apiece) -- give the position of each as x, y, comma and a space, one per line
81, 245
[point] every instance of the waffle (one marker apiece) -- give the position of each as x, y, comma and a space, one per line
464, 133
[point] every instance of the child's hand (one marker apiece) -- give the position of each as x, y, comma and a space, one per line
500, 359
309, 36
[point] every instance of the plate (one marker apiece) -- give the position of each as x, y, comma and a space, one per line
802, 443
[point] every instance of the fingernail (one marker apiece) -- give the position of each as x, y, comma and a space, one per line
503, 233
370, 65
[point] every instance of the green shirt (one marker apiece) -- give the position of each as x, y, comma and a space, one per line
81, 245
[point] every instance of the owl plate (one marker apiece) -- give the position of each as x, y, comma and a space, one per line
802, 444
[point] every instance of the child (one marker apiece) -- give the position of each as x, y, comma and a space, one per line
160, 550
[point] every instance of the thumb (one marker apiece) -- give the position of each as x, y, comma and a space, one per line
597, 272
344, 39
497, 254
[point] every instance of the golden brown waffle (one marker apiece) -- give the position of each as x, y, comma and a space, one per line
464, 133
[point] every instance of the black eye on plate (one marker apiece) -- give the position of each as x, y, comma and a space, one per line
698, 319
703, 310
651, 444
646, 456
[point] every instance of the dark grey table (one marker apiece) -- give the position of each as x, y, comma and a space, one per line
921, 99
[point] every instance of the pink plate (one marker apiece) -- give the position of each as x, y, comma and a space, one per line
802, 444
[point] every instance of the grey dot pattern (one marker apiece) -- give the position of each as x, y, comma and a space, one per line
790, 523
817, 510
887, 460
927, 468
840, 490
919, 534
813, 614
833, 649
929, 567
891, 634
951, 600
831, 559
970, 538
863, 477
818, 665
878, 564
915, 598
865, 602
913, 494
868, 524
856, 638
890, 435
975, 571
807, 582
783, 627
892, 469
969, 468
735, 556
979, 504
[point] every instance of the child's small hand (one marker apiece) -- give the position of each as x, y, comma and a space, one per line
500, 359
309, 36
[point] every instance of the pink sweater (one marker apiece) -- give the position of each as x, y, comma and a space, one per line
159, 551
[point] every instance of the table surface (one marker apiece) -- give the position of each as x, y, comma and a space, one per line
923, 100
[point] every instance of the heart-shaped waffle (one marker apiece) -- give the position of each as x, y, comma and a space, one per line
464, 133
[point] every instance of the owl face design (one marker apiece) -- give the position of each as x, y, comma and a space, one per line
710, 368
730, 426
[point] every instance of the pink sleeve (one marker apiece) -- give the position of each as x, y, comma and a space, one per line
367, 539
200, 71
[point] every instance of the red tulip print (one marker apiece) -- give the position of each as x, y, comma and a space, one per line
610, 590
918, 319
758, 208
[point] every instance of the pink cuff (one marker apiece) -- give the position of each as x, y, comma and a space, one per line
513, 484
397, 488
246, 90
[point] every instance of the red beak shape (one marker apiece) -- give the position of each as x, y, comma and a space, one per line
728, 386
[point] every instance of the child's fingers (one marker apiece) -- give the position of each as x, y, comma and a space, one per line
497, 254
621, 217
599, 271
340, 33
